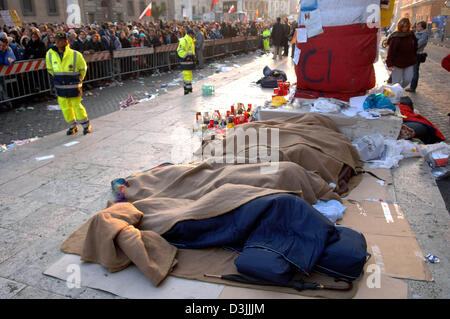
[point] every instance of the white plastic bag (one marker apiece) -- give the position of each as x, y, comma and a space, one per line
322, 105
369, 147
391, 155
396, 89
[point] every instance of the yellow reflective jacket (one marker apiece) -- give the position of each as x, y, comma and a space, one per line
186, 46
67, 73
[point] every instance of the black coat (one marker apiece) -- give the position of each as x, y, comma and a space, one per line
287, 30
277, 34
35, 50
80, 46
96, 46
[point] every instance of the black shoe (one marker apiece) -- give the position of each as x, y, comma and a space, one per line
410, 90
87, 130
72, 130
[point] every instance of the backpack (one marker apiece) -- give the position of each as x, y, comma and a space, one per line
271, 78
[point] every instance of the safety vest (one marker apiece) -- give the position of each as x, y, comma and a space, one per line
266, 34
186, 47
68, 73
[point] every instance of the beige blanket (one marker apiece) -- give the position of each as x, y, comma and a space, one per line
311, 140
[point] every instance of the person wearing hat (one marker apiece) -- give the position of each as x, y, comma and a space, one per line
67, 69
186, 52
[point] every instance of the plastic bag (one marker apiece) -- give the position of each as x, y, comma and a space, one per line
391, 155
369, 147
378, 101
333, 210
409, 149
396, 90
323, 105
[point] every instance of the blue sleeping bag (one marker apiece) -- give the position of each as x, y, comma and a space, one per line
276, 235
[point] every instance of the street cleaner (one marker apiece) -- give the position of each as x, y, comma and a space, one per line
186, 52
266, 38
67, 70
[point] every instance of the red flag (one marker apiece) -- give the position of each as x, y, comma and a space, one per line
212, 4
232, 9
146, 12
245, 17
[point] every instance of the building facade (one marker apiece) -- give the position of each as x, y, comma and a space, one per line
278, 8
422, 10
38, 11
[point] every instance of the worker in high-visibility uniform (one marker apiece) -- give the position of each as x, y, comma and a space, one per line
266, 38
186, 52
67, 69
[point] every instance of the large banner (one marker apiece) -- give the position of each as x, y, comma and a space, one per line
73, 13
11, 18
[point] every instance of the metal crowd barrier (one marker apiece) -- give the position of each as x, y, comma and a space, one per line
26, 78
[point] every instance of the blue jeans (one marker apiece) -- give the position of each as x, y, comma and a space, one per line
415, 79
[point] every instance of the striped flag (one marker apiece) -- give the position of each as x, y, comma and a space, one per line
232, 9
213, 3
146, 12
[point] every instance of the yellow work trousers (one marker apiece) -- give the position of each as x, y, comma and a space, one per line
72, 108
187, 76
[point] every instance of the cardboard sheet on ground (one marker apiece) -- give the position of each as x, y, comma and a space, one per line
131, 283
370, 187
390, 240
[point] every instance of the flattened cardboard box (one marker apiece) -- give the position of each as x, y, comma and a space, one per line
390, 240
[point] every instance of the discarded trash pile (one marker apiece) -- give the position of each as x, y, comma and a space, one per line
15, 144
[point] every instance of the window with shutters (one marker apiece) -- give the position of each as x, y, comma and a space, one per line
130, 8
3, 5
28, 8
52, 7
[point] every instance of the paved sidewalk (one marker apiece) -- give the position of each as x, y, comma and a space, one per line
43, 201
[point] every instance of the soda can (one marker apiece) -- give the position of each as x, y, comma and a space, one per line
432, 258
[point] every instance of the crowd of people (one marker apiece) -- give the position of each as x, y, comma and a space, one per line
32, 41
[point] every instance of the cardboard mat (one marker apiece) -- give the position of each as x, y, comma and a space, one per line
390, 240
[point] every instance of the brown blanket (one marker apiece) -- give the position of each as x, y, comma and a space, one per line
311, 140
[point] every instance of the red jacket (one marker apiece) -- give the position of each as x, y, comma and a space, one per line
446, 63
402, 51
413, 117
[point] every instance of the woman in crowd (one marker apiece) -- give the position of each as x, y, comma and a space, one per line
35, 49
124, 40
402, 56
